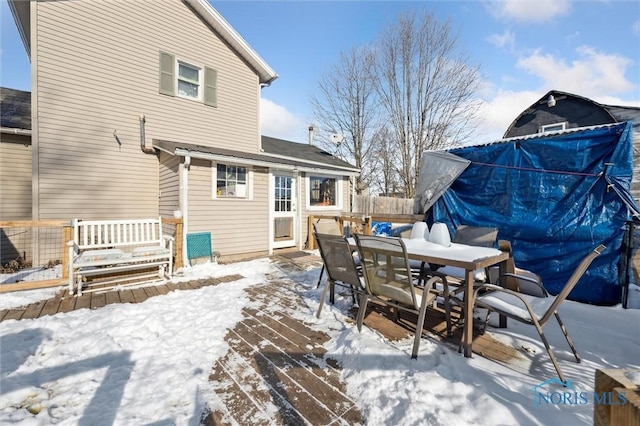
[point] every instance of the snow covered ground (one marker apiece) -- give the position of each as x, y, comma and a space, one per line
149, 363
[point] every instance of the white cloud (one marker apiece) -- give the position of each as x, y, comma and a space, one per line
636, 27
529, 11
278, 122
592, 74
504, 40
499, 112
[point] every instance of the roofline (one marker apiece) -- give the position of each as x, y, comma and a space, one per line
18, 19
558, 93
284, 157
265, 73
182, 152
231, 36
238, 158
15, 131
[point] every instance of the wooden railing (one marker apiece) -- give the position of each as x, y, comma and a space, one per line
358, 223
43, 243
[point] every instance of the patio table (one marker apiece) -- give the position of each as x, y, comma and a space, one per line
463, 256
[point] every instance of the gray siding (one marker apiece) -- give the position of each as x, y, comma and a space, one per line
96, 72
15, 175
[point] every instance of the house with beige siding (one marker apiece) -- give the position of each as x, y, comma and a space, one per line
146, 109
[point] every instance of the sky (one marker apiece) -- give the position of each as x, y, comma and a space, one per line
114, 364
589, 48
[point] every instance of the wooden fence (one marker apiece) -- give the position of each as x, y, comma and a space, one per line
40, 248
368, 205
358, 223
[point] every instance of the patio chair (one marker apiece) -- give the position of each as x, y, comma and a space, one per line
328, 227
481, 236
341, 270
389, 280
532, 310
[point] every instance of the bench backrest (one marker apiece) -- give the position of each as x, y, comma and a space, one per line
97, 234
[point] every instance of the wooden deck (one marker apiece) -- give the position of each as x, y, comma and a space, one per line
275, 371
63, 302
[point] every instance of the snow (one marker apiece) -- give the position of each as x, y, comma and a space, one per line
149, 362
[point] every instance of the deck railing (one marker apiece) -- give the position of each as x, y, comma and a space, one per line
33, 254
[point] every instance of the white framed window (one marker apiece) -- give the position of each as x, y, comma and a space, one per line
186, 80
323, 192
189, 81
232, 181
555, 127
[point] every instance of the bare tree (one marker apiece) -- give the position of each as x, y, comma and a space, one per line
384, 172
426, 88
346, 105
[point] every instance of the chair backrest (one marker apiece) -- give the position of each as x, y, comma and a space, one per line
573, 280
338, 261
386, 268
482, 236
327, 227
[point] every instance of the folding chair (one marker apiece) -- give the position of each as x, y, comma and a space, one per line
389, 280
327, 227
340, 267
534, 310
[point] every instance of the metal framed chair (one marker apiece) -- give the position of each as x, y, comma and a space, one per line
326, 227
339, 265
389, 280
481, 236
532, 310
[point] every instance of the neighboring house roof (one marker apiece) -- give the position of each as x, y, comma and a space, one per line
578, 110
307, 153
15, 111
228, 155
21, 11
625, 113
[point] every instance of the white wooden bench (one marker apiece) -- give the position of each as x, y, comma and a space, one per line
110, 247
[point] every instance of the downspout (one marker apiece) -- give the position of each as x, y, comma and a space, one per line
353, 193
299, 205
143, 143
185, 207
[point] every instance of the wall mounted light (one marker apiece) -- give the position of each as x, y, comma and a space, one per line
551, 101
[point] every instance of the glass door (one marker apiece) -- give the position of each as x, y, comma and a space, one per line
284, 211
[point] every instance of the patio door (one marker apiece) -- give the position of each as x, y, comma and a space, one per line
284, 210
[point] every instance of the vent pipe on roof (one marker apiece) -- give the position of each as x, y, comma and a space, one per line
311, 135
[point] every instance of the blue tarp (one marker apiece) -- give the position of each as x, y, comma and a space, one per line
554, 199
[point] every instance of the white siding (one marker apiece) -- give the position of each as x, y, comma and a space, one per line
97, 72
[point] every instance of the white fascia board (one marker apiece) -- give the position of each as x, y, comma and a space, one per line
21, 14
231, 36
251, 162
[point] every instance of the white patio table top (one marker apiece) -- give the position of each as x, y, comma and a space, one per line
463, 256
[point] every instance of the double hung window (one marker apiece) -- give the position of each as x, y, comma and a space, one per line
231, 181
187, 80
